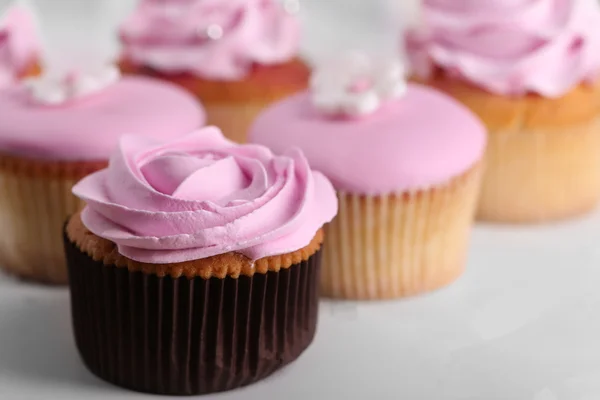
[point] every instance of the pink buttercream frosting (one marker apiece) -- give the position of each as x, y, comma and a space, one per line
89, 128
510, 47
422, 140
214, 39
18, 44
201, 196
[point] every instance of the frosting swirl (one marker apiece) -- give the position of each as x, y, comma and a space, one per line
510, 47
18, 44
201, 196
215, 39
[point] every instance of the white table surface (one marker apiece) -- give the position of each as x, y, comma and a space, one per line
523, 323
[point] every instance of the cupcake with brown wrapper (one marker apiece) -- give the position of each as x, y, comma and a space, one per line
529, 70
406, 161
59, 127
19, 45
237, 56
195, 266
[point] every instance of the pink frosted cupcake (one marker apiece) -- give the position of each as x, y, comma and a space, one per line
529, 70
406, 162
195, 266
55, 132
237, 56
18, 45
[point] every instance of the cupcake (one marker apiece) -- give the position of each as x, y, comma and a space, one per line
529, 69
237, 56
62, 125
194, 267
406, 163
18, 45
52, 134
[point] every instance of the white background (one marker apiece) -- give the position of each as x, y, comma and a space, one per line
522, 324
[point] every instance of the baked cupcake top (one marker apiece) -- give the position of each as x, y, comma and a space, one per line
371, 133
18, 44
82, 117
510, 47
214, 39
201, 195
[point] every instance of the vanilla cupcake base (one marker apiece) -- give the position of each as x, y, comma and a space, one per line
35, 201
540, 175
382, 247
233, 119
543, 156
232, 106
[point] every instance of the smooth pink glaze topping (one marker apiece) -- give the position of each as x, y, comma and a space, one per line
202, 195
419, 141
18, 44
214, 39
510, 47
89, 128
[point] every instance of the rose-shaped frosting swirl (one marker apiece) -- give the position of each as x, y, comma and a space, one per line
214, 39
203, 195
510, 47
18, 44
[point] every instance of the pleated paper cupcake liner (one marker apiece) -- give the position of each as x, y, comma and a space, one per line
543, 155
35, 200
382, 247
181, 336
536, 176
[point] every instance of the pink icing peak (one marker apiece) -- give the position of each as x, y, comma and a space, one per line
417, 142
18, 44
510, 47
214, 39
202, 195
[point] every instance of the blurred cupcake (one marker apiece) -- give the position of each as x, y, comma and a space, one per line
18, 45
237, 56
529, 69
406, 162
59, 127
52, 134
194, 267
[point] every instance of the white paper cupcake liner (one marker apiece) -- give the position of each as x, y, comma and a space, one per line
382, 247
536, 176
35, 201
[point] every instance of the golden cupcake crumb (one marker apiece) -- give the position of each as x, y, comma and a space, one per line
231, 264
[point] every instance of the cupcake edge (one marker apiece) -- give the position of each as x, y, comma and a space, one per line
230, 264
180, 336
36, 200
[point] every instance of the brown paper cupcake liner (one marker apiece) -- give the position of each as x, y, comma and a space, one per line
182, 336
541, 175
35, 200
382, 247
